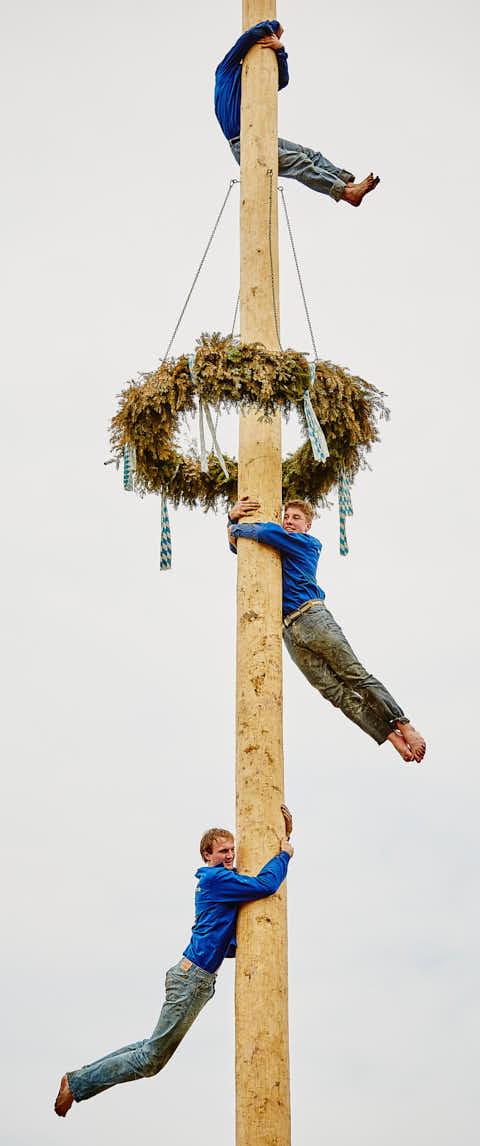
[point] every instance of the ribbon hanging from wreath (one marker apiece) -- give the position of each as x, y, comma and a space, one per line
318, 441
165, 537
345, 509
203, 411
332, 405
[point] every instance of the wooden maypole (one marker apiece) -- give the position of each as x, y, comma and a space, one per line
261, 985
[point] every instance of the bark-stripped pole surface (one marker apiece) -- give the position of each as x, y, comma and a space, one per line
261, 985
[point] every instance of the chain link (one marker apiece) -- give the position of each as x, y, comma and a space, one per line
274, 299
299, 274
237, 304
272, 275
202, 260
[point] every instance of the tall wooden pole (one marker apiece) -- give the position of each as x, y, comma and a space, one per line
261, 985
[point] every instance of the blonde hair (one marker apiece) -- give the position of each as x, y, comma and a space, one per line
208, 839
304, 506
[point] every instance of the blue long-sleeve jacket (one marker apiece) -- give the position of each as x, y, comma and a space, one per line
219, 894
228, 76
299, 554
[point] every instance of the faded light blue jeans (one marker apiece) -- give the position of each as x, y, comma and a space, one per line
186, 992
317, 645
307, 166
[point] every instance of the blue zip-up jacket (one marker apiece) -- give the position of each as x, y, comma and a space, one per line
228, 76
299, 554
219, 894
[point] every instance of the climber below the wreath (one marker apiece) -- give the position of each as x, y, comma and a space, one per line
294, 161
191, 982
313, 638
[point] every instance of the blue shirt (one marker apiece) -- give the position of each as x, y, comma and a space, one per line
219, 893
299, 553
228, 76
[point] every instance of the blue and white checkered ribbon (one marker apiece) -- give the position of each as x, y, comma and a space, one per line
165, 538
317, 437
345, 509
204, 409
129, 463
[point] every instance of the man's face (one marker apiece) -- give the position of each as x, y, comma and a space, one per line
294, 521
223, 851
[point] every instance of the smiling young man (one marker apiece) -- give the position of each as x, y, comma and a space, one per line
308, 166
191, 982
313, 638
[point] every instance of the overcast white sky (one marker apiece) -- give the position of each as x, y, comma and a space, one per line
119, 680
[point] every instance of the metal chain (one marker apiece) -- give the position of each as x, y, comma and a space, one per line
298, 273
202, 260
237, 304
274, 300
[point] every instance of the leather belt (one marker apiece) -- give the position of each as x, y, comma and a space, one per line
303, 609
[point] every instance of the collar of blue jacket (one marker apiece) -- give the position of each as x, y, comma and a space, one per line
218, 896
228, 76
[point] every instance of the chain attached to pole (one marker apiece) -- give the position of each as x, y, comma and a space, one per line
315, 354
202, 260
235, 313
274, 297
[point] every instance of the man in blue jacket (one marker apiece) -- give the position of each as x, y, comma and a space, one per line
294, 161
191, 982
313, 638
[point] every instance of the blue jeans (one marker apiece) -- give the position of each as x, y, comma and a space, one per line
309, 167
186, 992
317, 645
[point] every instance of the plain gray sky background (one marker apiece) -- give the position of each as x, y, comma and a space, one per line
119, 681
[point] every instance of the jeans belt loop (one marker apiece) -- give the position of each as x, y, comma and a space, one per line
303, 609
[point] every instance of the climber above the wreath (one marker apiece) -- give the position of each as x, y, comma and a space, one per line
313, 638
294, 161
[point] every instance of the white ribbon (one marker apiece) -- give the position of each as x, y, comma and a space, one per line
204, 409
316, 435
216, 446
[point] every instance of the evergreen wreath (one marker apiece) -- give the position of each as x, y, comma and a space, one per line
226, 374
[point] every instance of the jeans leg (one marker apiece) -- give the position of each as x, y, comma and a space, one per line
311, 168
319, 160
234, 145
307, 166
185, 996
353, 706
318, 634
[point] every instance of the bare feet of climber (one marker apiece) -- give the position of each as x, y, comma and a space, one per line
64, 1098
401, 747
409, 743
354, 192
414, 740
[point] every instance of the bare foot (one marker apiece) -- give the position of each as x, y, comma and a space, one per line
414, 739
354, 192
64, 1098
402, 747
